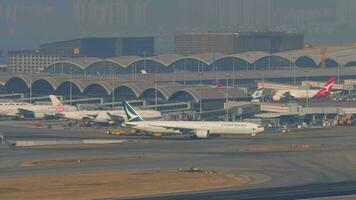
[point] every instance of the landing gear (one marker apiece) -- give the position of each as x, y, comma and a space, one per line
189, 137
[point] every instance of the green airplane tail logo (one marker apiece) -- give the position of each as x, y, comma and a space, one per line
131, 114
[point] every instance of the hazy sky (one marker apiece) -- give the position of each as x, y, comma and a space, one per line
29, 23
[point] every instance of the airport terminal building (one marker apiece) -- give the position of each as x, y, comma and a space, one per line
239, 42
130, 70
308, 58
36, 60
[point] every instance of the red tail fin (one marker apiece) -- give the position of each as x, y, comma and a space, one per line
331, 81
219, 85
60, 107
327, 88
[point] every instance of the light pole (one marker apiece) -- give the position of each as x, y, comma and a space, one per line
201, 73
113, 86
338, 71
61, 60
184, 81
307, 78
269, 63
290, 62
31, 71
215, 68
227, 97
294, 78
263, 83
174, 73
70, 86
201, 99
133, 72
144, 60
233, 73
156, 88
291, 58
31, 85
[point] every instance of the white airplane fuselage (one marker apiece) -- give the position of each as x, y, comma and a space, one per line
12, 109
303, 94
296, 93
82, 114
306, 93
211, 127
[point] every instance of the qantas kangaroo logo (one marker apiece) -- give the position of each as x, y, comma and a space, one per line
327, 88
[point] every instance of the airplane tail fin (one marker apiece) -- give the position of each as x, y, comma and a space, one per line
59, 106
330, 82
329, 85
257, 94
325, 91
131, 114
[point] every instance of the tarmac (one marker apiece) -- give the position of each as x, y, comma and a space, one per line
313, 163
309, 191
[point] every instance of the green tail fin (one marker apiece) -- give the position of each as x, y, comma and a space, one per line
131, 114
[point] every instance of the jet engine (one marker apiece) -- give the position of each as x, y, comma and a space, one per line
277, 97
39, 115
201, 133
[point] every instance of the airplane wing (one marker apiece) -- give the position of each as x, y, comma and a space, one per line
76, 116
116, 117
279, 92
288, 94
91, 115
88, 116
22, 111
180, 129
282, 92
199, 133
31, 113
337, 92
279, 95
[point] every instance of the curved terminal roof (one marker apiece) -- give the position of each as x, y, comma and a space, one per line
167, 59
103, 87
82, 62
124, 61
207, 58
250, 57
342, 56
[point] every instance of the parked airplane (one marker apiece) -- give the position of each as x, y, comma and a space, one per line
305, 93
99, 116
199, 129
18, 109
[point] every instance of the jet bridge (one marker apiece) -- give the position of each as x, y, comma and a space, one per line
12, 96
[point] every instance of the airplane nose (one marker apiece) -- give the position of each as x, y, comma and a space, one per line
260, 129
